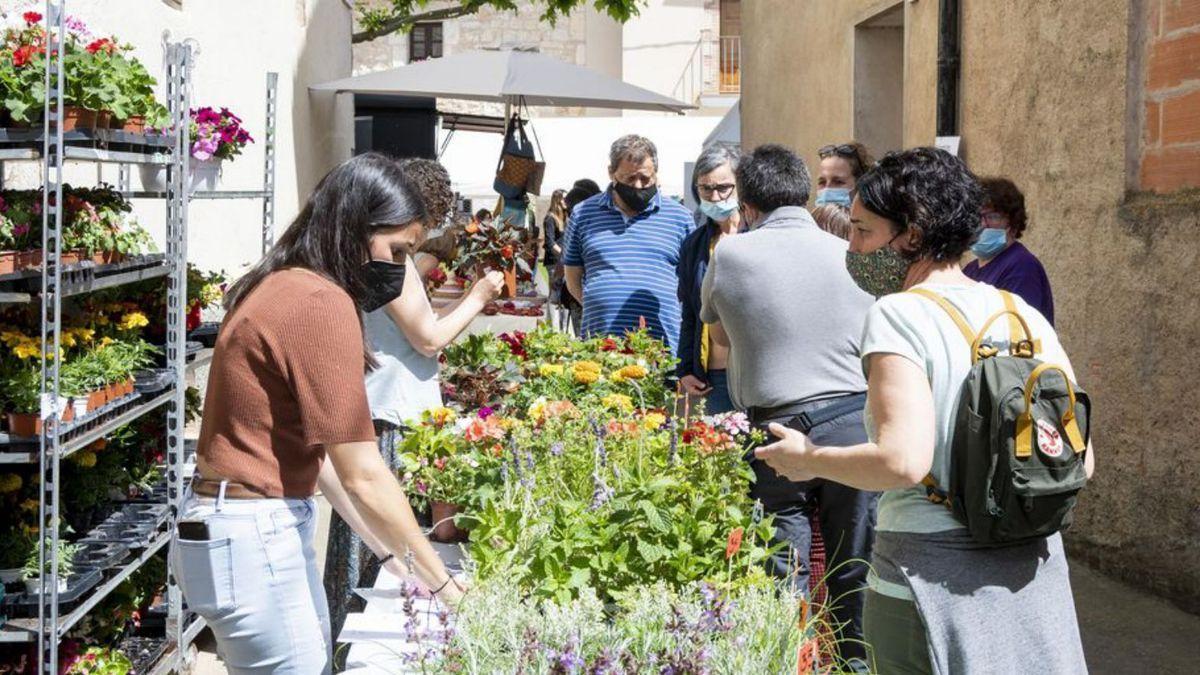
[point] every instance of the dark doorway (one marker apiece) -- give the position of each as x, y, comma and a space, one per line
400, 126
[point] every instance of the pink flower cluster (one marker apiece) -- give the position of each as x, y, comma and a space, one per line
217, 134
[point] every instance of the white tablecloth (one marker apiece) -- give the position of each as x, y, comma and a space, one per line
377, 636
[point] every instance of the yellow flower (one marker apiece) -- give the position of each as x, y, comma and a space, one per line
106, 341
634, 372
538, 408
586, 372
507, 423
133, 320
26, 350
618, 401
12, 338
101, 320
67, 338
10, 482
549, 369
440, 416
83, 334
85, 459
653, 421
617, 377
30, 505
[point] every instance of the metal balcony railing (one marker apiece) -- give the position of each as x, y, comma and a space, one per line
729, 77
713, 68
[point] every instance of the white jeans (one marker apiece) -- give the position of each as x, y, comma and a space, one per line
256, 583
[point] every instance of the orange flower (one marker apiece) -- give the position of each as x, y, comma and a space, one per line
557, 408
734, 544
480, 429
472, 227
507, 251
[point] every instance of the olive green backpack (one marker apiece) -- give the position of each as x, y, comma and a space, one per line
1019, 440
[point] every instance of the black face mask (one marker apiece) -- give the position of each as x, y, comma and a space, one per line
384, 280
637, 199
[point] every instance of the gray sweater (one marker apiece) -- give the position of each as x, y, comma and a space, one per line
793, 314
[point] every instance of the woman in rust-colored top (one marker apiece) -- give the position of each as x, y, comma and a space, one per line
285, 394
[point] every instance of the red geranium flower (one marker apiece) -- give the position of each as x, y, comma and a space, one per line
103, 44
609, 345
32, 17
23, 54
507, 251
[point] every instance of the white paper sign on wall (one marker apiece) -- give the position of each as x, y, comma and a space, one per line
949, 143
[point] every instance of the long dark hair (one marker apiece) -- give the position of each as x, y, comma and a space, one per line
332, 233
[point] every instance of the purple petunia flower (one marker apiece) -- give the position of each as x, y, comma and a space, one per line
485, 412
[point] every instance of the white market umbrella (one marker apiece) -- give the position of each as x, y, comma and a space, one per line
507, 76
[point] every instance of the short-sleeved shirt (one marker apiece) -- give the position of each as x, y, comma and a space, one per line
1017, 270
628, 265
286, 380
405, 382
791, 310
919, 330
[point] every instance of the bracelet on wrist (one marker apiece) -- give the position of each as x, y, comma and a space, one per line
387, 558
443, 586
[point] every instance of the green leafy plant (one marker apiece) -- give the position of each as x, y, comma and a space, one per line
66, 564
699, 628
101, 661
22, 389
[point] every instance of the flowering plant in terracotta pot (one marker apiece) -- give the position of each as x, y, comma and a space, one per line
498, 248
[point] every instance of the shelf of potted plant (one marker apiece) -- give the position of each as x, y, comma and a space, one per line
73, 442
24, 629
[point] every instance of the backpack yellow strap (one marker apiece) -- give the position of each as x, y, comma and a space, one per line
1025, 432
959, 319
1016, 322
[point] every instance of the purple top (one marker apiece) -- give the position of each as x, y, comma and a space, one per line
1018, 271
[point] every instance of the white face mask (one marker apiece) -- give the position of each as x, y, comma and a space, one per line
719, 211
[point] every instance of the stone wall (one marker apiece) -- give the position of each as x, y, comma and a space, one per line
1053, 97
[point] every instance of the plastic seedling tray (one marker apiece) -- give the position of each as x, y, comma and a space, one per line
152, 381
205, 334
144, 652
78, 584
101, 556
191, 348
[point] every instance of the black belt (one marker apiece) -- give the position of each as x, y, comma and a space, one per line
806, 420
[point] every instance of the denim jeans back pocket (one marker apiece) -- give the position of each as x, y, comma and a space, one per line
205, 573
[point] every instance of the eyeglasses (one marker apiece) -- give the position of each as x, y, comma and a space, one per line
843, 150
993, 217
720, 190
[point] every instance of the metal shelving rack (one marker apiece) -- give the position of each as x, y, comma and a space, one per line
55, 444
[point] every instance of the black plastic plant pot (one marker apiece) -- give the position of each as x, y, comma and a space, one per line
143, 652
25, 605
205, 334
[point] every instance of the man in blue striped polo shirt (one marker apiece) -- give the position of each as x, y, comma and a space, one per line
622, 247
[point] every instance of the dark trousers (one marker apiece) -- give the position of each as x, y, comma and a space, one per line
349, 563
847, 521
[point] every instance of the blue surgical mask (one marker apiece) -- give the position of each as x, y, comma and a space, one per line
719, 211
834, 196
990, 243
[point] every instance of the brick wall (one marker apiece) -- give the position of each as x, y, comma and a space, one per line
1170, 158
